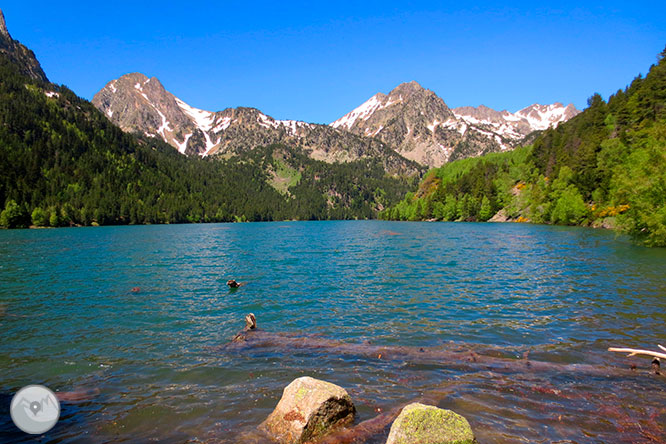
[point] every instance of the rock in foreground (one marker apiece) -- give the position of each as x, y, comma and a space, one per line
309, 408
425, 424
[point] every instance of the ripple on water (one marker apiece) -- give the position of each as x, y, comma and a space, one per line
138, 313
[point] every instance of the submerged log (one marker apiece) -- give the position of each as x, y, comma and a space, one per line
254, 338
78, 395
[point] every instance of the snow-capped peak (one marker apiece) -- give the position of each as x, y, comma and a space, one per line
363, 112
516, 125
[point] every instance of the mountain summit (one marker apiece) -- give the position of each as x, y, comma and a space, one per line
411, 119
140, 104
3, 26
19, 55
420, 126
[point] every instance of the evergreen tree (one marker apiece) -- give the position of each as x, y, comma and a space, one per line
606, 166
485, 212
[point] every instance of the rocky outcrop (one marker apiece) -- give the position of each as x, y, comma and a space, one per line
420, 126
425, 424
500, 216
19, 55
309, 408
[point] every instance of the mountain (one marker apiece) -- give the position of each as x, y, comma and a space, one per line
517, 125
139, 104
23, 58
604, 167
63, 163
421, 127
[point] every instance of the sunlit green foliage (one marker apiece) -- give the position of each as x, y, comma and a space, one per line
604, 167
40, 218
63, 163
13, 216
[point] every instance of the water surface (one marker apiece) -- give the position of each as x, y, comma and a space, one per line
133, 317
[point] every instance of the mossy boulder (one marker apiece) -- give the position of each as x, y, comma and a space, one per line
425, 424
309, 408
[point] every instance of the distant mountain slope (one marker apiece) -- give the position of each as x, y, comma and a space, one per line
421, 127
605, 167
142, 105
63, 162
519, 124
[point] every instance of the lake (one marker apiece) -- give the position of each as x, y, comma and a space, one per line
133, 319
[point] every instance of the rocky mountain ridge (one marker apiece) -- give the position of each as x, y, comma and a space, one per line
421, 127
139, 104
22, 57
410, 122
535, 117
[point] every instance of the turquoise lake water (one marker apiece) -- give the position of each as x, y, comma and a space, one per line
132, 320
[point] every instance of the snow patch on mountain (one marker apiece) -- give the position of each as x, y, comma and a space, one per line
182, 146
292, 126
516, 125
371, 133
542, 117
202, 119
165, 124
363, 112
222, 124
266, 122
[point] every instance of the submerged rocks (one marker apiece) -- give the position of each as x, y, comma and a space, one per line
425, 424
309, 408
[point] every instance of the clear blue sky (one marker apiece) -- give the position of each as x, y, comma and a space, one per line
316, 61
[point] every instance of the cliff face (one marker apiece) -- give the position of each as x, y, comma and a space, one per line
21, 56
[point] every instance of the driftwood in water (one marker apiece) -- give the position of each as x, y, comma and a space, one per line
255, 338
634, 352
653, 354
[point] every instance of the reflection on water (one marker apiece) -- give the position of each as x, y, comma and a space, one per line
137, 313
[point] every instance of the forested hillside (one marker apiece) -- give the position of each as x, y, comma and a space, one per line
64, 163
604, 167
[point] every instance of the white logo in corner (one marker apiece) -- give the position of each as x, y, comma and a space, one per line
35, 409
